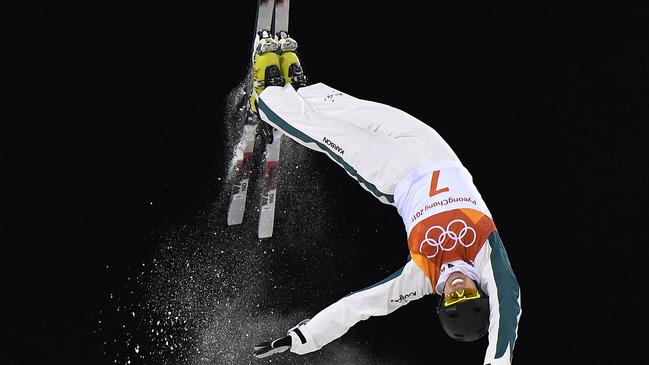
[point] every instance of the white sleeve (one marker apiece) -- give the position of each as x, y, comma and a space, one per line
497, 279
382, 298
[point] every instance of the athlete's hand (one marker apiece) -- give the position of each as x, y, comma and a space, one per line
273, 347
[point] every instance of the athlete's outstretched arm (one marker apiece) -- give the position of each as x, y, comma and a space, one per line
384, 297
500, 284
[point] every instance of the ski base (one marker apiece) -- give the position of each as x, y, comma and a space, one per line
242, 169
269, 187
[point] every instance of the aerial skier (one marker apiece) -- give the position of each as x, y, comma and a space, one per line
455, 249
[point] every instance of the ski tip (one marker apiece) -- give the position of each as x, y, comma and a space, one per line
235, 219
265, 233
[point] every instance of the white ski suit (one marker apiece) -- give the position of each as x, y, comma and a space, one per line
405, 163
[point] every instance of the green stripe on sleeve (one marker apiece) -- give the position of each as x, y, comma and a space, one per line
392, 276
508, 295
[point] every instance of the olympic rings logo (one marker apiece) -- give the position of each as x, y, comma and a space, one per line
448, 236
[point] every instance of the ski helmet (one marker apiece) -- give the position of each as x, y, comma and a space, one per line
466, 320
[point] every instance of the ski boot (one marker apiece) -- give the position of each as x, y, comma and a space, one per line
266, 66
289, 62
265, 72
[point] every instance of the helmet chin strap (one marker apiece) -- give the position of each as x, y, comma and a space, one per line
452, 267
457, 280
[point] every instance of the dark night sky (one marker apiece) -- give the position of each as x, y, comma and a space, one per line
118, 113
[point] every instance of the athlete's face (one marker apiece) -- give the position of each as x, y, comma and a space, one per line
458, 282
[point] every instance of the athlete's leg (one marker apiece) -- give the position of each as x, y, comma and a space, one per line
379, 118
378, 161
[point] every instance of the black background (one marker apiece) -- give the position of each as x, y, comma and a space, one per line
117, 139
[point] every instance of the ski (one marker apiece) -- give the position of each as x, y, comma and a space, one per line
269, 187
272, 17
271, 158
242, 169
243, 152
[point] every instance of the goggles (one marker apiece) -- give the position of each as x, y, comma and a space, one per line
461, 296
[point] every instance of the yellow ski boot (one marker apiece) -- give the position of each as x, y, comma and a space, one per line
266, 67
289, 62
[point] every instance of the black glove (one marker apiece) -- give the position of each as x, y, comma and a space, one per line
265, 131
274, 347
